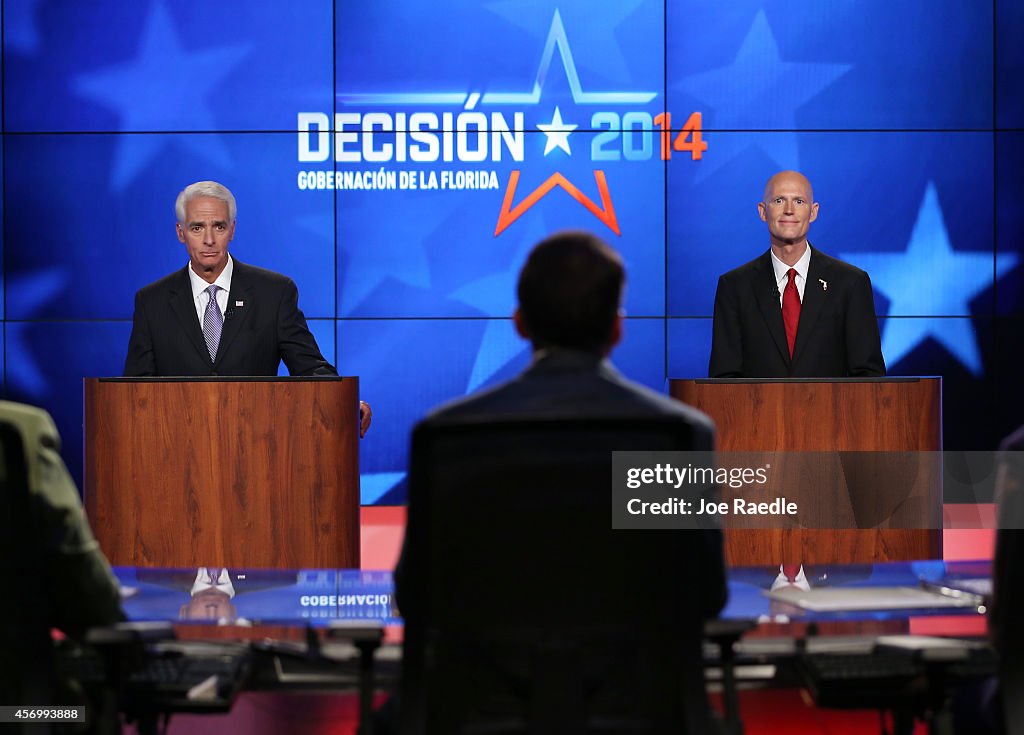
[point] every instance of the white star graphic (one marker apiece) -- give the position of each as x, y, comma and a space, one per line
931, 279
758, 89
557, 133
164, 88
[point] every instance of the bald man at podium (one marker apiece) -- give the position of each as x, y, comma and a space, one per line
794, 312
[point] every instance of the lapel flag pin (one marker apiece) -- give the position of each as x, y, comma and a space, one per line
824, 284
242, 303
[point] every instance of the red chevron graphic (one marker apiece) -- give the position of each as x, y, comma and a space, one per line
510, 214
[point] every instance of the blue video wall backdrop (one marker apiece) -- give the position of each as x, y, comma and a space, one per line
398, 160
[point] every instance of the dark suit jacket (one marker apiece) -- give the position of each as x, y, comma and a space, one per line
837, 335
569, 384
262, 326
573, 385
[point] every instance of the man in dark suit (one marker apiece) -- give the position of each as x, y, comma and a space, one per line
569, 296
218, 316
569, 309
569, 292
794, 312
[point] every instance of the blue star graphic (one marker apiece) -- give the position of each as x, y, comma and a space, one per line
373, 485
31, 291
929, 279
501, 344
557, 40
378, 251
164, 88
760, 90
598, 38
319, 225
20, 29
495, 294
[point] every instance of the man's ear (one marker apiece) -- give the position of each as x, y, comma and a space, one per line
763, 211
521, 329
616, 335
181, 232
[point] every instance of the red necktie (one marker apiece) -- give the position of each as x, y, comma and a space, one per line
791, 572
791, 309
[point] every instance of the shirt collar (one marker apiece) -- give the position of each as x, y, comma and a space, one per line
801, 266
205, 581
223, 280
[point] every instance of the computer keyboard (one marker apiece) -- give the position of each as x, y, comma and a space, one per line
880, 679
853, 666
178, 672
176, 676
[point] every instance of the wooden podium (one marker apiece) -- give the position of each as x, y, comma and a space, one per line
836, 418
236, 472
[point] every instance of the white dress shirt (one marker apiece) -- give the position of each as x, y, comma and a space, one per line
782, 273
199, 286
205, 581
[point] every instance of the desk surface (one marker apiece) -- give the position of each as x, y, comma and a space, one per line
318, 597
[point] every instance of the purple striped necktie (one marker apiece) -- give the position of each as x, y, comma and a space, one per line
213, 322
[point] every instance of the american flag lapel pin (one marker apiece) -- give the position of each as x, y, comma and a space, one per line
240, 304
824, 284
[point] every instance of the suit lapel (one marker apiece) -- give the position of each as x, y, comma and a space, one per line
815, 294
239, 306
766, 290
184, 309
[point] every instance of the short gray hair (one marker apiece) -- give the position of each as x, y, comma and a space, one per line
205, 189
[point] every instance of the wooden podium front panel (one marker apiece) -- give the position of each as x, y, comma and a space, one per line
260, 473
896, 415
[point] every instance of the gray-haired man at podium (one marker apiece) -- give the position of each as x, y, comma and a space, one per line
217, 315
